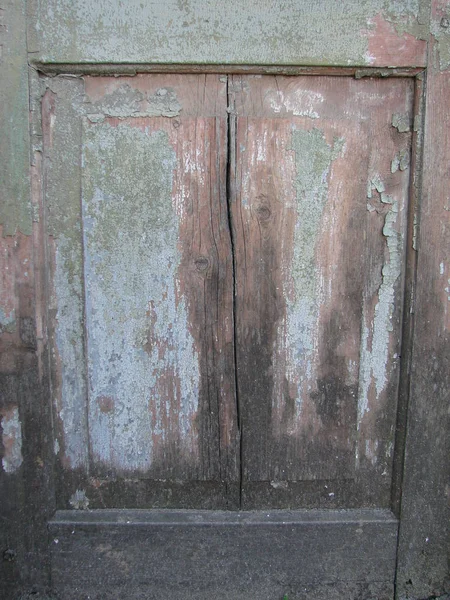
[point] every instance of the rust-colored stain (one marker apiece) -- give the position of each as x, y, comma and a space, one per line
106, 404
387, 46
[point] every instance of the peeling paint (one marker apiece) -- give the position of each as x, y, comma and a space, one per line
300, 103
415, 236
7, 321
297, 335
11, 439
371, 451
79, 500
123, 102
441, 32
141, 355
396, 38
409, 18
401, 161
401, 122
447, 290
280, 485
126, 101
62, 172
77, 31
375, 338
70, 351
163, 103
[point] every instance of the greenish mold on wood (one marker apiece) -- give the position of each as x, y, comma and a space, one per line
7, 320
141, 354
313, 32
15, 205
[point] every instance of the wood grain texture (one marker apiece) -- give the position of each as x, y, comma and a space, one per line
319, 217
424, 533
156, 275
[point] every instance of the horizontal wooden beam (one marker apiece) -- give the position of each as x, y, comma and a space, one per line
381, 33
223, 555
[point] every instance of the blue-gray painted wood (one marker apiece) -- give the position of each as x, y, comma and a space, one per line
307, 32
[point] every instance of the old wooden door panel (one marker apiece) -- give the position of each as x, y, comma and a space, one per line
156, 270
319, 215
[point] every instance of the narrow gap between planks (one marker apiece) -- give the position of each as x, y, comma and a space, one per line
230, 192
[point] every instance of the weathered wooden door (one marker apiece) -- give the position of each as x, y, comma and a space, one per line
224, 280
227, 293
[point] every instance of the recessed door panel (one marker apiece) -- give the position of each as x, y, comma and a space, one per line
227, 271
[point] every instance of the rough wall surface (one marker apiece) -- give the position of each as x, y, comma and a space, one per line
299, 32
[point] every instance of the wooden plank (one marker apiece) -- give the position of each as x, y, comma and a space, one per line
156, 275
223, 555
381, 33
319, 218
424, 534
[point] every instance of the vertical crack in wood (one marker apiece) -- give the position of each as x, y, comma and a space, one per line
230, 197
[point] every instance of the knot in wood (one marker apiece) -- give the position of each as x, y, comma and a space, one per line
263, 212
201, 264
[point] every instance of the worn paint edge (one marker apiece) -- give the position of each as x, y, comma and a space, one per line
11, 439
88, 68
